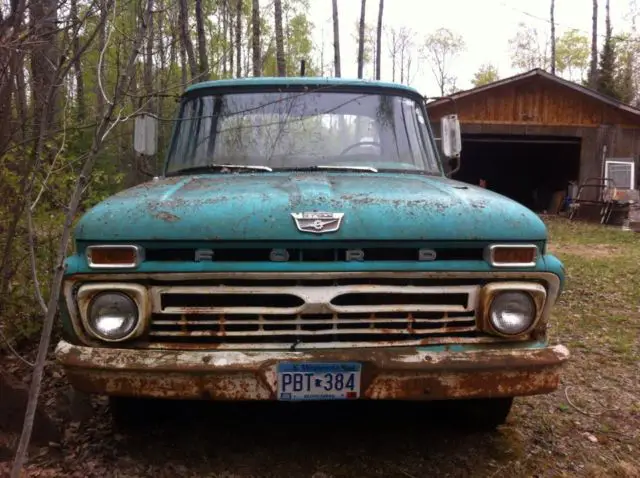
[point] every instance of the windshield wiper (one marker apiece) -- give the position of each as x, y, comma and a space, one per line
327, 166
408, 171
221, 167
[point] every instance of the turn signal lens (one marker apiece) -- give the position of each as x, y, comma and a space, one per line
512, 256
120, 257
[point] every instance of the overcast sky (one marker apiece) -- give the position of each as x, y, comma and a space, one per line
486, 26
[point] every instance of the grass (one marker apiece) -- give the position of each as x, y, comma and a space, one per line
598, 318
589, 427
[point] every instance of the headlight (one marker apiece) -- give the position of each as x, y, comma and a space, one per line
112, 316
512, 312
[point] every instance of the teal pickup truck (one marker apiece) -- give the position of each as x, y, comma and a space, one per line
304, 242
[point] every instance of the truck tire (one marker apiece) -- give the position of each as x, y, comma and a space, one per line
128, 412
484, 413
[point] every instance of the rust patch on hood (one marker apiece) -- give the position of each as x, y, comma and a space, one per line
167, 216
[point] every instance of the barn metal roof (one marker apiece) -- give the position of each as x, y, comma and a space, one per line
543, 74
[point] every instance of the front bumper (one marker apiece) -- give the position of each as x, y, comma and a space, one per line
393, 373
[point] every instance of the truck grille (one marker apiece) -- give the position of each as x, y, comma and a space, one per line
315, 316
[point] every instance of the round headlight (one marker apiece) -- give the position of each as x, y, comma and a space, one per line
113, 316
512, 312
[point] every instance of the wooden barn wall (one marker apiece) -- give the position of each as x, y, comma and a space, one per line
534, 101
621, 142
540, 106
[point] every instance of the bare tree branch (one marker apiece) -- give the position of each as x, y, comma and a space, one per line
101, 132
32, 257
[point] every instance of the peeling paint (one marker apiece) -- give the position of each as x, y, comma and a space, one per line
167, 216
412, 207
389, 373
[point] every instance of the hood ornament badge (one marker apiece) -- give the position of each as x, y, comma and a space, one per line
318, 222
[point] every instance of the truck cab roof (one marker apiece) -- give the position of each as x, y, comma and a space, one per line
299, 81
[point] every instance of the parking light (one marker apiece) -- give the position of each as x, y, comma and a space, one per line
114, 256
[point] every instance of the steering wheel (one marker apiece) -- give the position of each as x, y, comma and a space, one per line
361, 143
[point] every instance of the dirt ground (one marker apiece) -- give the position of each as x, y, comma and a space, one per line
589, 427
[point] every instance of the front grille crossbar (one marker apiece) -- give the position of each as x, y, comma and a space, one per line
300, 299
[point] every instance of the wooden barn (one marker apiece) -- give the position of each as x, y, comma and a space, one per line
535, 136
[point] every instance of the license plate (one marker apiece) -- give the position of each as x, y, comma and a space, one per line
318, 381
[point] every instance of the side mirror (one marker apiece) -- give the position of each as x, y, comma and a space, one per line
451, 136
145, 137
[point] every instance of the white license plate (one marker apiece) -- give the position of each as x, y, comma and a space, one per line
318, 381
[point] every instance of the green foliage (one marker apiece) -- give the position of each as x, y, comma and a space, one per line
528, 49
626, 65
572, 55
607, 69
441, 48
486, 74
369, 46
298, 44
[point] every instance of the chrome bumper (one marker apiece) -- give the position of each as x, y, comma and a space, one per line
402, 373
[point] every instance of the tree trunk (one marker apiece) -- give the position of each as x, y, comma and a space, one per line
393, 52
280, 60
77, 67
202, 43
255, 38
593, 72
148, 63
102, 40
183, 67
225, 27
402, 68
183, 19
44, 56
239, 39
13, 28
336, 40
231, 40
164, 81
553, 38
21, 96
379, 39
363, 5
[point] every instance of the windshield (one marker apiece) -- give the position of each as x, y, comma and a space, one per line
289, 130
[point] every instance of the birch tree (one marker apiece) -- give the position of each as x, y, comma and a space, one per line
280, 60
440, 49
379, 39
336, 40
361, 38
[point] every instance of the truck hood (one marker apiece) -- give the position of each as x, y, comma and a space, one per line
258, 207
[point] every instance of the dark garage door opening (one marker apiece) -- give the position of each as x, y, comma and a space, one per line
528, 169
